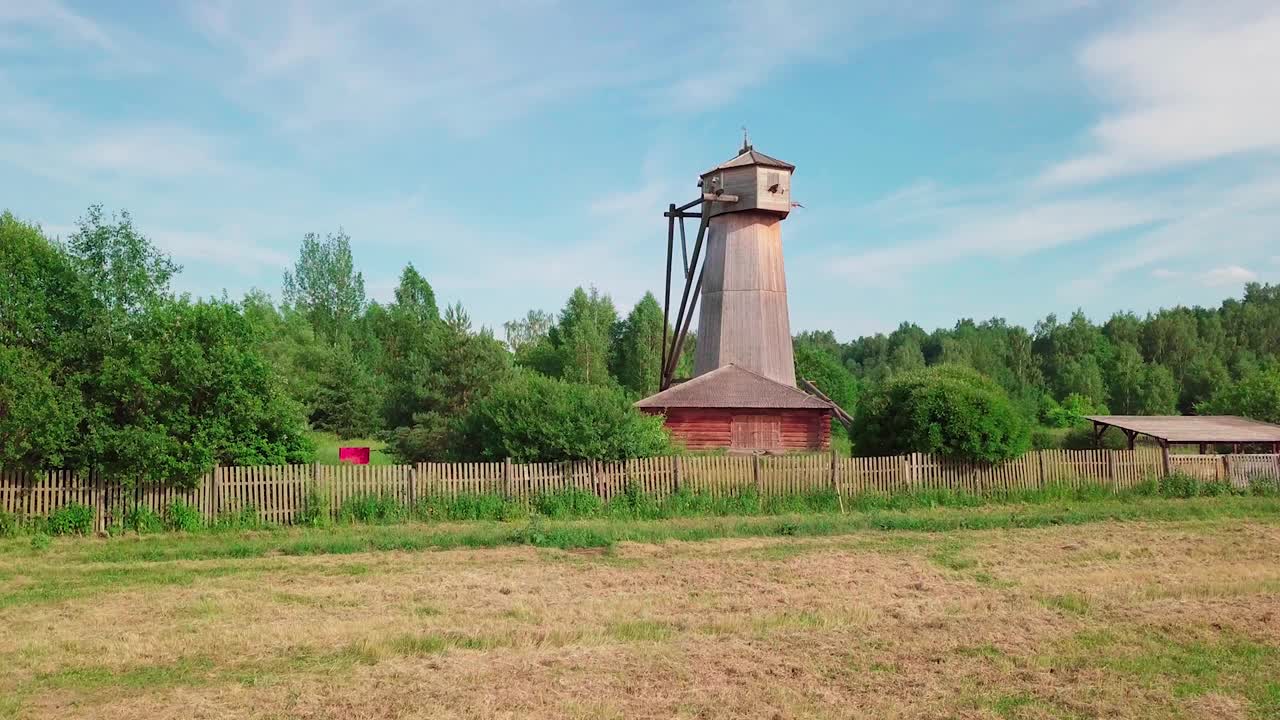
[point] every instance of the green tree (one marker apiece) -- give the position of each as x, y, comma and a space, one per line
407, 334
583, 336
1256, 396
325, 286
817, 365
123, 270
946, 410
533, 418
637, 353
39, 416
462, 367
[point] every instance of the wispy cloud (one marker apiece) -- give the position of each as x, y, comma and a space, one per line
996, 232
1229, 275
471, 67
53, 17
1191, 84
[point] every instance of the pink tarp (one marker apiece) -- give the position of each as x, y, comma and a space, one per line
354, 455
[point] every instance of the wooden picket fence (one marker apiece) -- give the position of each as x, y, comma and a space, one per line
276, 494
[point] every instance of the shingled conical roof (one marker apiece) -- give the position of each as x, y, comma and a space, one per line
733, 387
750, 156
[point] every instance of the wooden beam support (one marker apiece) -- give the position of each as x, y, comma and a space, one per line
684, 249
673, 358
722, 197
684, 330
666, 297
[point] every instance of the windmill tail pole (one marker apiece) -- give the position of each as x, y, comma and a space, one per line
844, 417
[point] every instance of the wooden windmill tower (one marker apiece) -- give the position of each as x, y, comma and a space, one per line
743, 392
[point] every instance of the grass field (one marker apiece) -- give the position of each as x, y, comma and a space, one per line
327, 445
1048, 612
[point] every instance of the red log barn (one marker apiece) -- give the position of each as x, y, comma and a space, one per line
732, 407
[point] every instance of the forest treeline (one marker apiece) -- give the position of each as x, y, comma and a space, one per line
103, 365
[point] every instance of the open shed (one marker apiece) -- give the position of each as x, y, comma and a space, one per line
1201, 430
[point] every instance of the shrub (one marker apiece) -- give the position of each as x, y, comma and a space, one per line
372, 509
142, 520
315, 509
246, 518
1261, 485
1043, 438
946, 410
9, 525
1083, 438
468, 506
40, 542
533, 418
180, 516
568, 503
71, 519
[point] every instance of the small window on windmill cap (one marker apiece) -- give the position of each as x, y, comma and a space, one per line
774, 182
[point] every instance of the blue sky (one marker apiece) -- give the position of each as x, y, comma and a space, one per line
955, 159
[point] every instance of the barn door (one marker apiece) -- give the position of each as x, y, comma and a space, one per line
756, 432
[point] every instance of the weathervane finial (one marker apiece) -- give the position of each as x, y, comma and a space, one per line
746, 141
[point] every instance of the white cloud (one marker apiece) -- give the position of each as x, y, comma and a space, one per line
469, 67
229, 248
996, 232
1229, 275
1194, 83
54, 17
1226, 276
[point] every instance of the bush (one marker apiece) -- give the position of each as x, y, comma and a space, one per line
315, 509
372, 509
533, 418
180, 516
1083, 438
568, 503
946, 410
467, 506
9, 525
142, 520
1043, 438
71, 519
246, 518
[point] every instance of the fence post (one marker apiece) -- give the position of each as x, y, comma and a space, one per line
904, 472
413, 485
1111, 466
1164, 458
675, 461
215, 493
1040, 463
755, 475
835, 479
506, 478
1226, 468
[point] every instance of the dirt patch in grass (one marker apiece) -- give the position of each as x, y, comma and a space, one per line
1135, 620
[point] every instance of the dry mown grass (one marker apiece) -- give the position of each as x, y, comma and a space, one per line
1109, 620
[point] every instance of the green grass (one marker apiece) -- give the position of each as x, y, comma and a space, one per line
602, 533
327, 445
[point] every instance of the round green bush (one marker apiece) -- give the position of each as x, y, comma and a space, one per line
946, 410
533, 418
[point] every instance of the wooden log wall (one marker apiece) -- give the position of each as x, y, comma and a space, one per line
277, 494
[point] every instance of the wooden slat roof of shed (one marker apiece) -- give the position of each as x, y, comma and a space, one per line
1194, 428
733, 387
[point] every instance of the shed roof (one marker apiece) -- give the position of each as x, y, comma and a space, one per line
1194, 428
750, 156
731, 386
